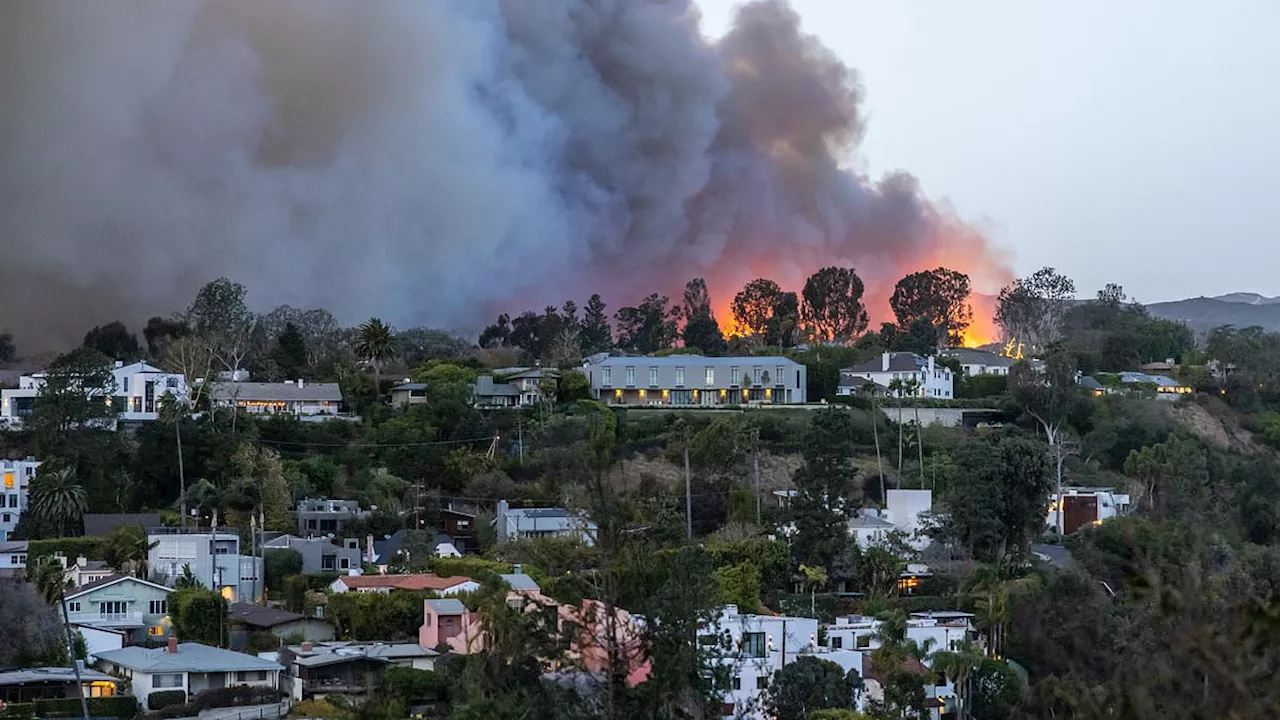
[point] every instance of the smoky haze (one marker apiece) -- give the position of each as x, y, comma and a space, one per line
429, 162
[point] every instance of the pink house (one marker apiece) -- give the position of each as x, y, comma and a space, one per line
448, 622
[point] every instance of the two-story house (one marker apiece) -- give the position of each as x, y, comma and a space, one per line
319, 554
213, 556
979, 362
898, 372
124, 603
135, 393
320, 669
15, 481
694, 380
320, 516
513, 387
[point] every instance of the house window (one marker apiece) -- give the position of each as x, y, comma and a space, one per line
679, 377
125, 389
251, 676
631, 376
327, 562
155, 631
113, 607
171, 383
710, 376
863, 641
13, 501
762, 682
653, 377
344, 563
18, 559
733, 376
166, 680
73, 606
837, 642
7, 518
755, 375
797, 379
753, 644
607, 377
158, 607
737, 682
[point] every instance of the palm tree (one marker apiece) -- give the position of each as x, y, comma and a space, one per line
49, 577
127, 550
57, 497
958, 664
376, 344
869, 388
814, 578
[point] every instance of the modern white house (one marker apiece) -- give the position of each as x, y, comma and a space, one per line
531, 523
214, 558
694, 380
1085, 506
318, 401
135, 393
123, 603
932, 379
190, 667
906, 511
15, 482
754, 647
979, 362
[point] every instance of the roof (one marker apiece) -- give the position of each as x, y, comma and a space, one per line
278, 391
388, 547
853, 381
520, 581
333, 658
112, 580
869, 521
142, 367
92, 566
33, 675
486, 385
191, 657
263, 617
969, 356
410, 386
9, 546
542, 512
1089, 383
101, 525
447, 605
1160, 380
898, 362
335, 652
421, 581
697, 360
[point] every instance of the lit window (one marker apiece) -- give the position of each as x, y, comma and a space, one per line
155, 630
8, 480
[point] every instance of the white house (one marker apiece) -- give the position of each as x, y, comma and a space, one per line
190, 667
85, 571
293, 397
696, 380
16, 476
13, 559
135, 393
214, 557
1084, 506
979, 362
933, 380
906, 511
531, 523
754, 647
122, 603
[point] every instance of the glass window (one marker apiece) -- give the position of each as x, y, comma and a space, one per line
733, 376
737, 682
125, 389
73, 606
607, 377
631, 375
653, 377
755, 375
753, 645
165, 680
711, 376
777, 376
327, 562
155, 630
863, 641
679, 377
762, 682
837, 642
158, 607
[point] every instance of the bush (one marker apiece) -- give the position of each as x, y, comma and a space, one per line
199, 615
124, 707
220, 698
295, 592
161, 699
277, 564
92, 548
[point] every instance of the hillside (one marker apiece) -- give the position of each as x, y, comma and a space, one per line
1204, 313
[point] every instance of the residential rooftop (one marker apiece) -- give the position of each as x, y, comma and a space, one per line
693, 360
190, 657
277, 391
420, 581
26, 676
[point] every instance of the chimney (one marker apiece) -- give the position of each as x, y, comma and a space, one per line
501, 516
368, 543
81, 561
300, 382
173, 645
119, 364
517, 569
306, 646
884, 362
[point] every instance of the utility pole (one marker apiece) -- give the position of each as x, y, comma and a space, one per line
520, 435
755, 475
182, 476
688, 493
253, 553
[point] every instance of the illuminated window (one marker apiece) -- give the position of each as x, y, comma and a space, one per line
228, 593
155, 631
8, 480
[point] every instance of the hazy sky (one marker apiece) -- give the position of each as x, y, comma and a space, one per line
1131, 142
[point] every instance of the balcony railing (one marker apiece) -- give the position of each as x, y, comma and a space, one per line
100, 618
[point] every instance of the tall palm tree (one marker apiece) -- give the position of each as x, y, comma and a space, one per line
377, 345
870, 388
814, 577
50, 579
57, 497
958, 664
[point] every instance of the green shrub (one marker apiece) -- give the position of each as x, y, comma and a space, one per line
124, 707
161, 699
72, 547
278, 564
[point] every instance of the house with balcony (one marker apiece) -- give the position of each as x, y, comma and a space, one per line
321, 517
190, 667
695, 381
513, 387
122, 603
15, 481
135, 393
902, 374
301, 399
214, 557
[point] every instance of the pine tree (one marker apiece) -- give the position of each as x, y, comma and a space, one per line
596, 336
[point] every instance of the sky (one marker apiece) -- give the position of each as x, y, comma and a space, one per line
1132, 142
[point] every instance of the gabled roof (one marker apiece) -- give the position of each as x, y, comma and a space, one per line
275, 392
100, 524
191, 657
114, 580
487, 386
970, 356
1088, 383
420, 581
898, 362
855, 383
141, 367
10, 546
410, 386
696, 361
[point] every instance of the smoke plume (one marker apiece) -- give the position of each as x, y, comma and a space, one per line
429, 161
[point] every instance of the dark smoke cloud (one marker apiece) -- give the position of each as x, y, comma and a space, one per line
425, 161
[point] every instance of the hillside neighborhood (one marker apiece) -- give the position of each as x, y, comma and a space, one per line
401, 524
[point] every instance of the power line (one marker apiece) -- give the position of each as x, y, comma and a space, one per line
293, 443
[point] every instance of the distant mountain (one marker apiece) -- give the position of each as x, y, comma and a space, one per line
1238, 309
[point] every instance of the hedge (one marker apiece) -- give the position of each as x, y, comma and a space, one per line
124, 707
162, 699
220, 698
72, 547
